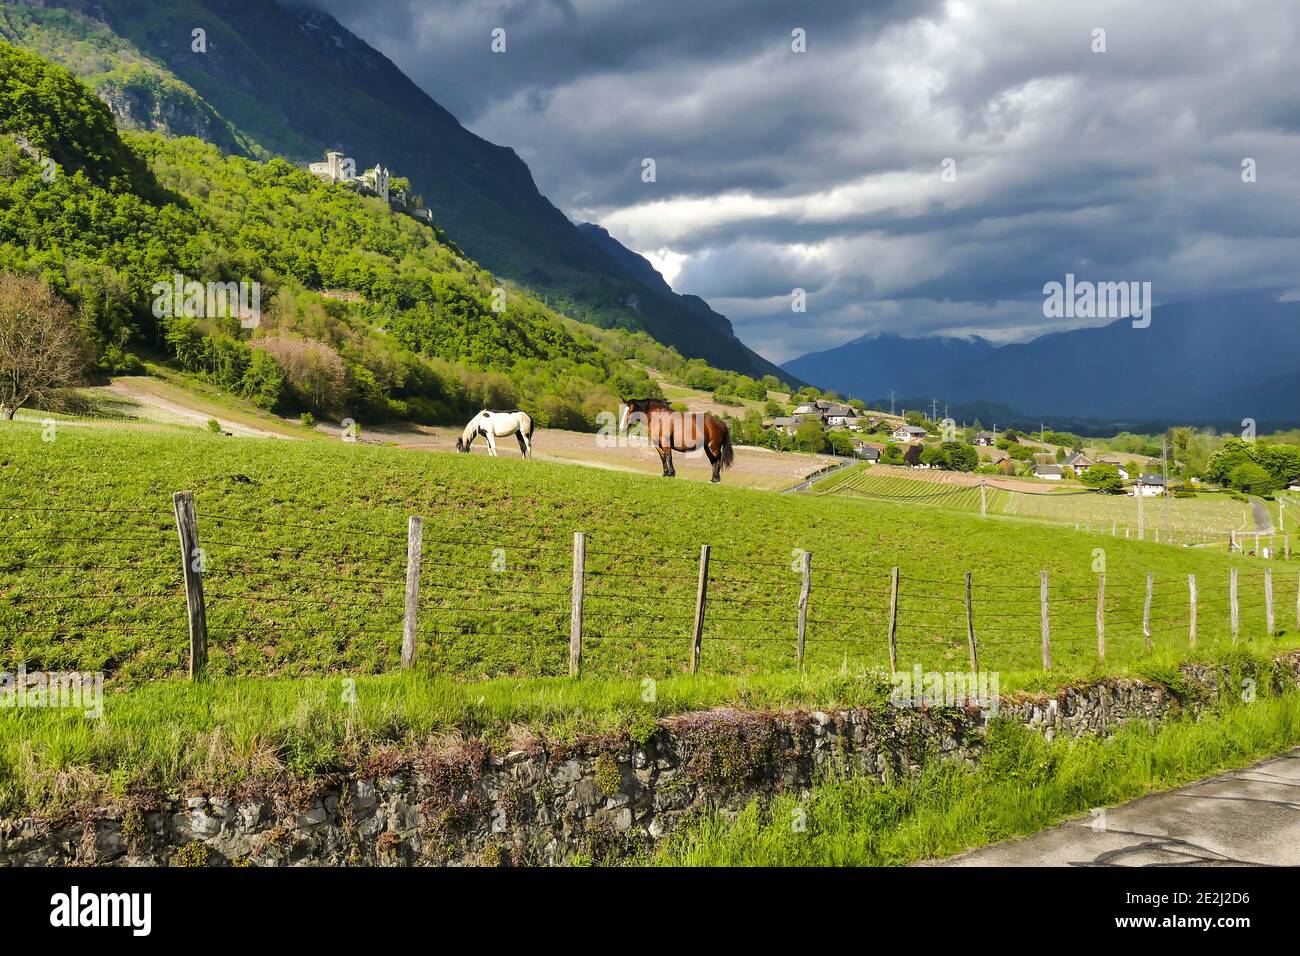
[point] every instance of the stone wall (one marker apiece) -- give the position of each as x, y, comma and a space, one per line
598, 798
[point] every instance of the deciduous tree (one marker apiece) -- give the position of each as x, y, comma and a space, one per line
41, 347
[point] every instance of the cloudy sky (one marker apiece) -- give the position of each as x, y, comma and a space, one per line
824, 169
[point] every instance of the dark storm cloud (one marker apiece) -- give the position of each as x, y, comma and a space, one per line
821, 170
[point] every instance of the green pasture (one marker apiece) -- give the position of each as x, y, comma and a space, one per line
304, 547
1205, 519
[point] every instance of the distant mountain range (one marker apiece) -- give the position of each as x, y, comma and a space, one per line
284, 78
1214, 361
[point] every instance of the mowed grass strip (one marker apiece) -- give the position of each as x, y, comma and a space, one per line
305, 560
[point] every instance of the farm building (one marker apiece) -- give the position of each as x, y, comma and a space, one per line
1050, 472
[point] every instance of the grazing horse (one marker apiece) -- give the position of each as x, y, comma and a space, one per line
671, 431
494, 425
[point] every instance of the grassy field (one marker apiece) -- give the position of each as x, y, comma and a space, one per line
1204, 519
304, 551
951, 808
305, 547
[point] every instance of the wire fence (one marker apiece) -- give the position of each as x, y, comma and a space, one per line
149, 592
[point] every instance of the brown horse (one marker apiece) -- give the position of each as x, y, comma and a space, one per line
671, 431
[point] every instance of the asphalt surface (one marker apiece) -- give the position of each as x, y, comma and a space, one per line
1263, 520
1249, 817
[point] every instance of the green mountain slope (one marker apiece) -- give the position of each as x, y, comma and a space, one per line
363, 311
142, 93
292, 79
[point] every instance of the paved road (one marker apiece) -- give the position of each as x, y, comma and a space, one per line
1263, 520
1247, 818
805, 485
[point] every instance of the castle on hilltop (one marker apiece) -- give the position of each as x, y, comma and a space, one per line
338, 168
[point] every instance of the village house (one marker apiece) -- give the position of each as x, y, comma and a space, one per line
1050, 472
909, 433
1079, 462
1116, 462
842, 416
865, 451
1149, 485
985, 438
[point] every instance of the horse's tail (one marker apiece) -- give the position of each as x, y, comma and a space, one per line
531, 423
728, 456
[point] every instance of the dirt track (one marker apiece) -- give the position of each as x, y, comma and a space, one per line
754, 467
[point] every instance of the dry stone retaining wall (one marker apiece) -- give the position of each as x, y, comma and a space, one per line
598, 798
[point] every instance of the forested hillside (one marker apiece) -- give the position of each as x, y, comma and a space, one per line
287, 79
364, 311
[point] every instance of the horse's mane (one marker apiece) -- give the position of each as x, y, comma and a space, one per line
650, 402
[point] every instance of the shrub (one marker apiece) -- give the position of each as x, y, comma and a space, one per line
192, 854
313, 369
609, 779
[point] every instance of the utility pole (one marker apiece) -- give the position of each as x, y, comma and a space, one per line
934, 409
1164, 466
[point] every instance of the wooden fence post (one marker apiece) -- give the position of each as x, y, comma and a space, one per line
1146, 612
701, 590
1141, 522
1269, 622
1191, 621
192, 567
1101, 616
1233, 610
970, 629
1047, 627
803, 605
575, 615
983, 503
414, 558
893, 622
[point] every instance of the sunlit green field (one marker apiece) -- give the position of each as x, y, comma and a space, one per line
305, 561
304, 548
1203, 520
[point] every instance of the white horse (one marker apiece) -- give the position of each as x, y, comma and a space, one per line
494, 425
